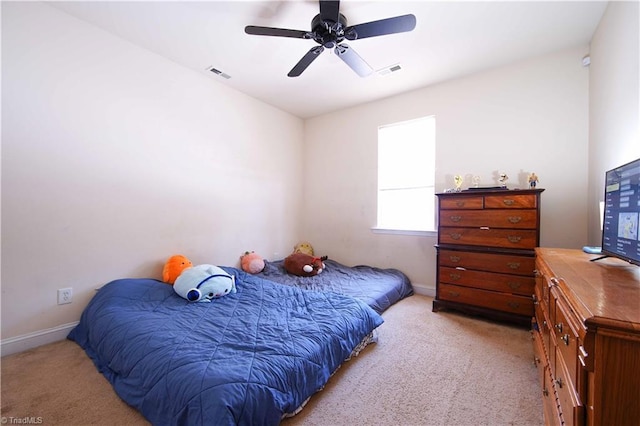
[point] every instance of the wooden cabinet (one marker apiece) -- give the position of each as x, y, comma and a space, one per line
586, 338
486, 242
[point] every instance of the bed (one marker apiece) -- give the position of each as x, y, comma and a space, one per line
248, 358
378, 288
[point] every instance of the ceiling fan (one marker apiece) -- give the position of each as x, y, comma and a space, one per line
329, 29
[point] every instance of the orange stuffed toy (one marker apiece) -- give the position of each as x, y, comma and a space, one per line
304, 265
251, 262
174, 267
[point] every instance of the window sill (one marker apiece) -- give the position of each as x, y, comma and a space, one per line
405, 232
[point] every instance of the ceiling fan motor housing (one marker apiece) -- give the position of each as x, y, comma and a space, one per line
328, 33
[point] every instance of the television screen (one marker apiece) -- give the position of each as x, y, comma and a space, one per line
620, 237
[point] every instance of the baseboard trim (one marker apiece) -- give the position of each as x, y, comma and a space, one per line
22, 343
424, 290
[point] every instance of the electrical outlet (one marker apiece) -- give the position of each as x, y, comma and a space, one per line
65, 295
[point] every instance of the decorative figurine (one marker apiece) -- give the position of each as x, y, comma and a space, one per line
476, 181
503, 180
458, 179
533, 180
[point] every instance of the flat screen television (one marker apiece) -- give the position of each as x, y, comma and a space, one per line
620, 237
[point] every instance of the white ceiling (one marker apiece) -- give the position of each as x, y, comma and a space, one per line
451, 39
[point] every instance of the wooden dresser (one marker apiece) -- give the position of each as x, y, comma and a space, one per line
485, 252
586, 338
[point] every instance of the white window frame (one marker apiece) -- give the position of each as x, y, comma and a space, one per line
411, 172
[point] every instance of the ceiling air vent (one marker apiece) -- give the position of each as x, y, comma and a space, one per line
218, 72
389, 69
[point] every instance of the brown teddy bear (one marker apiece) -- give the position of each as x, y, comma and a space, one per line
304, 265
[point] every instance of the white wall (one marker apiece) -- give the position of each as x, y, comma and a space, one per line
114, 158
527, 117
614, 108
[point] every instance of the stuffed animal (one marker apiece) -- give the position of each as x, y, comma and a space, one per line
304, 265
304, 247
173, 267
204, 282
251, 262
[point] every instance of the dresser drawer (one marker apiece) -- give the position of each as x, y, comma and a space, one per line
505, 238
504, 283
550, 401
508, 201
537, 297
568, 400
543, 282
461, 203
539, 357
514, 218
566, 341
492, 262
542, 321
514, 304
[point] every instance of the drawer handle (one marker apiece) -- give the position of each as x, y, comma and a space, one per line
508, 202
514, 286
559, 327
460, 203
515, 219
454, 259
454, 276
554, 281
455, 235
565, 339
513, 265
454, 294
455, 218
485, 228
559, 382
545, 392
582, 351
536, 361
514, 305
582, 356
514, 238
535, 299
583, 363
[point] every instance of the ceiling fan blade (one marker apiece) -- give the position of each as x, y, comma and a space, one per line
277, 32
306, 61
398, 24
330, 10
351, 58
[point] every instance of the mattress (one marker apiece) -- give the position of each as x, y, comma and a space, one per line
377, 287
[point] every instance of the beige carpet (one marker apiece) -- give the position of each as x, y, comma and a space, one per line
426, 369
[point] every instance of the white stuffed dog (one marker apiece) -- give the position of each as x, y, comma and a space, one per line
204, 282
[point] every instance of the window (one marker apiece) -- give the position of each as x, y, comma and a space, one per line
406, 175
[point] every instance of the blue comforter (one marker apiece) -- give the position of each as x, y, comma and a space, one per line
248, 358
378, 288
